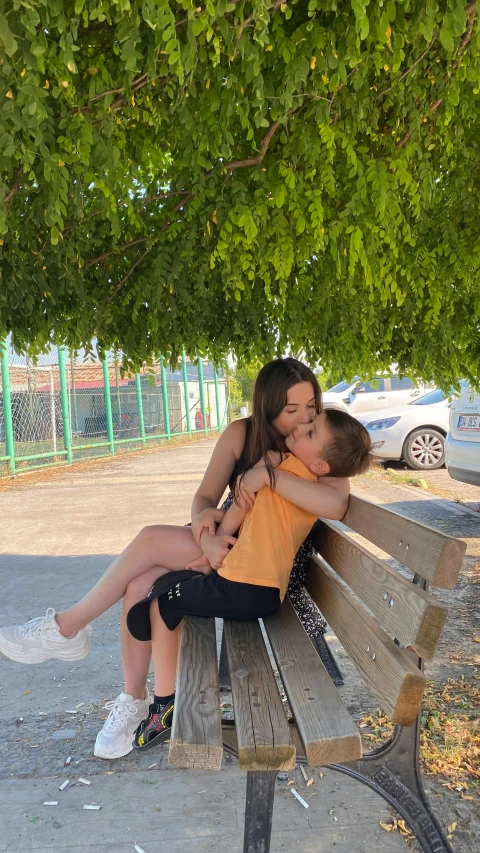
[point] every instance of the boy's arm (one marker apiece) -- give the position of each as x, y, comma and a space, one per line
232, 520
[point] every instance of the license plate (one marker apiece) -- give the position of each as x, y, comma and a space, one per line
469, 423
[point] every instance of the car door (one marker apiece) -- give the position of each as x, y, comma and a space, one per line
403, 391
367, 396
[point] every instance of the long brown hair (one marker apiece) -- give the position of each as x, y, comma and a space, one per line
269, 398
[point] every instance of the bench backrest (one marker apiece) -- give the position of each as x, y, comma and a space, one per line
376, 612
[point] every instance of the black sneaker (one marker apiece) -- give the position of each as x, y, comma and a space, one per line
156, 728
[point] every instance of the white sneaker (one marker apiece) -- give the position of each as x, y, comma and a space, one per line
40, 640
115, 739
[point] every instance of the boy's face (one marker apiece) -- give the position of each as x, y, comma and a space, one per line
307, 443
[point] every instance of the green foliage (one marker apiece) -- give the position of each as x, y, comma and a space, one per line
244, 175
244, 376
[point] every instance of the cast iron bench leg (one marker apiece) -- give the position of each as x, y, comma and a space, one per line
258, 810
393, 772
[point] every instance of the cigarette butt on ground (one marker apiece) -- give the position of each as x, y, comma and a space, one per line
139, 849
92, 807
84, 781
64, 785
299, 798
51, 803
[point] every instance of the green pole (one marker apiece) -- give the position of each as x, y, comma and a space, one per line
202, 393
108, 405
7, 407
141, 419
166, 413
185, 392
74, 392
217, 397
67, 437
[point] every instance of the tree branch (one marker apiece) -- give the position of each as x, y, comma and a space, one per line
471, 13
249, 20
409, 70
114, 251
254, 161
15, 186
140, 259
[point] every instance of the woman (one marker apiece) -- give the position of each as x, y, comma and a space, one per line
286, 394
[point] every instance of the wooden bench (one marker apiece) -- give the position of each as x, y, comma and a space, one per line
386, 622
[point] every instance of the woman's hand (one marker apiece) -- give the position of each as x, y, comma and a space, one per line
215, 549
206, 520
274, 457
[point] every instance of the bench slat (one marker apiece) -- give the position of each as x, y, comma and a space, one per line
389, 671
196, 739
261, 725
327, 731
405, 611
426, 551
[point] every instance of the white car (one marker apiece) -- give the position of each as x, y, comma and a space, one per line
462, 448
415, 432
382, 392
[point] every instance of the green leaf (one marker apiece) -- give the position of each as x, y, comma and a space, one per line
446, 39
9, 42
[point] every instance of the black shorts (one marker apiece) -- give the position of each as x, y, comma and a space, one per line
186, 593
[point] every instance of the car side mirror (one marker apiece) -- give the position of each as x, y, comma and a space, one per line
360, 390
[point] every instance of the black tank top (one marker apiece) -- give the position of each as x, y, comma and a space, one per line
240, 464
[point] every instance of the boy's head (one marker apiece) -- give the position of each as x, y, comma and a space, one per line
334, 444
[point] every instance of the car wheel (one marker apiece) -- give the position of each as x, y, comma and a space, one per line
424, 449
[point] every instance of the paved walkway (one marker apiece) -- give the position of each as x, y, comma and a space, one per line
57, 537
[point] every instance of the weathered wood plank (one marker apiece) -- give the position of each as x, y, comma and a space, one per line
405, 611
261, 724
388, 670
327, 731
196, 739
426, 551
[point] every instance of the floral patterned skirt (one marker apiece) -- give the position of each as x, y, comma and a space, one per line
305, 608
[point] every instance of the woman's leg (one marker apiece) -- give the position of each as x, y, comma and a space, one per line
169, 545
136, 654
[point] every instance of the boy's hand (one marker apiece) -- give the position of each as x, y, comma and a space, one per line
201, 564
216, 548
206, 520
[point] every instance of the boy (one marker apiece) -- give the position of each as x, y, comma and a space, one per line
253, 579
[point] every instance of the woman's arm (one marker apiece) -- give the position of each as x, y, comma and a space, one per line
328, 497
226, 452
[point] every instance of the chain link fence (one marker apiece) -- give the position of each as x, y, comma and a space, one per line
67, 407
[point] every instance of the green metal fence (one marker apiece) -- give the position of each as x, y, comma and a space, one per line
66, 408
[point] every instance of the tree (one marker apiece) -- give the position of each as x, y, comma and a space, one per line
244, 175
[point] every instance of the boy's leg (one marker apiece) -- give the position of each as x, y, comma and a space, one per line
169, 545
165, 645
156, 727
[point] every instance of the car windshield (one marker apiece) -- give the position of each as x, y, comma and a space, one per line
435, 396
340, 386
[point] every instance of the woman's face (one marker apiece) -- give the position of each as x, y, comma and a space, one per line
300, 408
